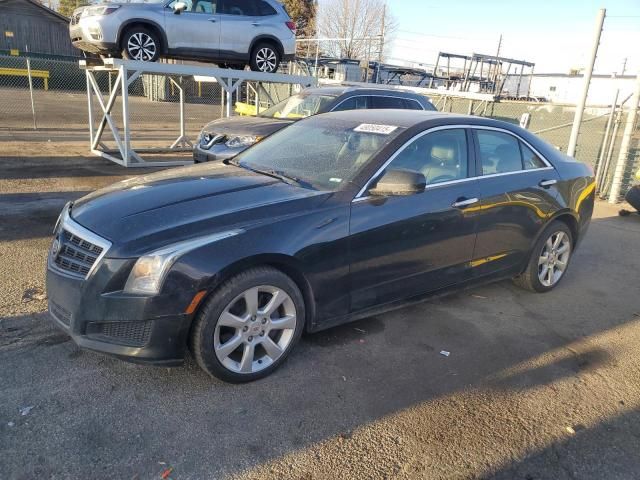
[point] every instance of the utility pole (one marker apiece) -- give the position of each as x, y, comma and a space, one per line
382, 33
577, 119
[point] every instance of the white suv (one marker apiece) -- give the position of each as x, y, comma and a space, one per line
231, 33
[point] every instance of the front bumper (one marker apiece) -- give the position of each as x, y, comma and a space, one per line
144, 329
91, 36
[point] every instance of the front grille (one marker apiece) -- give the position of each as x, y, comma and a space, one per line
133, 334
75, 255
60, 313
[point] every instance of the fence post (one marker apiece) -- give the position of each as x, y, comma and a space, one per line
621, 165
33, 105
577, 119
605, 139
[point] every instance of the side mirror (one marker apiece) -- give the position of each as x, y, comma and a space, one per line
179, 7
399, 182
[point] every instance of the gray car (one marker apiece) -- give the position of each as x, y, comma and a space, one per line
226, 137
231, 33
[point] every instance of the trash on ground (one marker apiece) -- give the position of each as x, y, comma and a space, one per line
33, 294
445, 353
11, 424
361, 341
344, 378
479, 296
570, 430
360, 330
25, 410
166, 473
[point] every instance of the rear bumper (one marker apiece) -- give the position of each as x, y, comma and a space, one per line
132, 328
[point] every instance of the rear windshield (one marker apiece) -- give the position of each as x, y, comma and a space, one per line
324, 153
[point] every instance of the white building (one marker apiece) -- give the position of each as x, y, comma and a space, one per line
567, 88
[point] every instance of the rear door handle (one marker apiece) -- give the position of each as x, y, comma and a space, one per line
547, 183
213, 20
256, 24
464, 202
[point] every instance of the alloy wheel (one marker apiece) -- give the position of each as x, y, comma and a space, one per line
255, 329
141, 47
554, 258
266, 60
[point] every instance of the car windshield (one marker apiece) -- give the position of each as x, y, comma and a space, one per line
320, 153
299, 106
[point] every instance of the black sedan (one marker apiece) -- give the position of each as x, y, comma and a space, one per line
338, 217
226, 137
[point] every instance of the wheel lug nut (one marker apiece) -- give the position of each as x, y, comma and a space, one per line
250, 339
245, 329
262, 333
264, 320
253, 318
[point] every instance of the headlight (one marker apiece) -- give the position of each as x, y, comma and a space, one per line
99, 10
148, 273
242, 141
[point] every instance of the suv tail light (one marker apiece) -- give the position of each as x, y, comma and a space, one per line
292, 26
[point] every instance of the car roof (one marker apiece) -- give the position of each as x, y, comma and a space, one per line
413, 118
343, 89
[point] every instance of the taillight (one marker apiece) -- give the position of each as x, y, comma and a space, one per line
292, 26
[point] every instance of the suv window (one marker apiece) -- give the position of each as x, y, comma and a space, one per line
440, 156
386, 102
239, 7
353, 103
264, 9
204, 6
412, 104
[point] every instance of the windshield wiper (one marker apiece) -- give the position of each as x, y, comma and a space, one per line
280, 175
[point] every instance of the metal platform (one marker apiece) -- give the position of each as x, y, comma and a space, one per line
127, 71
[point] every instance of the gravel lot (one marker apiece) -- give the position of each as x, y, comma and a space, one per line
535, 386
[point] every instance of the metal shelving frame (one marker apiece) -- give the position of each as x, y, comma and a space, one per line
127, 71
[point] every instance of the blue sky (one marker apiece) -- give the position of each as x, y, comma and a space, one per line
556, 35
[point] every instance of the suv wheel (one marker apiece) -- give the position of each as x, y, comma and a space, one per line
248, 326
265, 58
141, 44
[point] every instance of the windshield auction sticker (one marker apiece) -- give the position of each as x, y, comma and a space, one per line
371, 128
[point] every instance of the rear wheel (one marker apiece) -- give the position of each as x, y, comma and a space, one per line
265, 58
549, 260
249, 326
141, 44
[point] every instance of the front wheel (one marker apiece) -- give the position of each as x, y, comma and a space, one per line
265, 58
549, 260
141, 44
249, 326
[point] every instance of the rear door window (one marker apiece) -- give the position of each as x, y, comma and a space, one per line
412, 104
530, 159
247, 8
499, 152
353, 103
381, 102
264, 9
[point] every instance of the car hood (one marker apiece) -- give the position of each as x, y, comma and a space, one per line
147, 212
246, 126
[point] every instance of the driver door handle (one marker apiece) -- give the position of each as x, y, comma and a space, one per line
464, 202
256, 24
547, 183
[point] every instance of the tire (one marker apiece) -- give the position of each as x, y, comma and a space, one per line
265, 57
141, 36
236, 343
535, 277
633, 197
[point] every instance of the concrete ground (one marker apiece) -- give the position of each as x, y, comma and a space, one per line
535, 386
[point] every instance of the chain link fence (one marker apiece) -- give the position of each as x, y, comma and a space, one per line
46, 93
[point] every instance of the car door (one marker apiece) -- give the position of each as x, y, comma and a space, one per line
518, 193
402, 246
242, 21
196, 31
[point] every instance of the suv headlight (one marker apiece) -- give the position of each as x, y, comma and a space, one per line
242, 141
99, 10
149, 271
